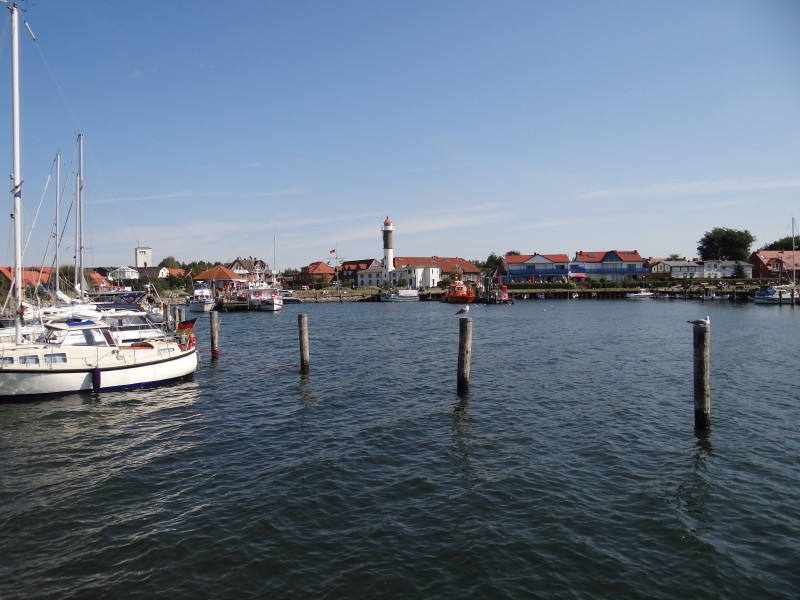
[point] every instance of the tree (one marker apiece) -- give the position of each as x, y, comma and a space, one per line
675, 257
488, 264
785, 243
170, 262
722, 242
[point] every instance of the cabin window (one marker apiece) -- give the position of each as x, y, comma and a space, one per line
6, 360
29, 360
59, 358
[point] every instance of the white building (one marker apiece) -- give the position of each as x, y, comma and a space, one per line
679, 269
717, 269
144, 257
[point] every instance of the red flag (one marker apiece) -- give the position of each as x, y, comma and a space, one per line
333, 251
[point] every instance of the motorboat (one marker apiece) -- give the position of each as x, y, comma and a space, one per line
640, 294
264, 298
459, 292
779, 294
201, 299
395, 295
127, 324
290, 297
85, 356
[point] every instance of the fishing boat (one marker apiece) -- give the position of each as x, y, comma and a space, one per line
264, 298
201, 299
459, 292
640, 294
395, 295
74, 356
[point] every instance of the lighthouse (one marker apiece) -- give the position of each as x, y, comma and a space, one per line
388, 251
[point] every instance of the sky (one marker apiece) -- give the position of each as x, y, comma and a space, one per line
285, 129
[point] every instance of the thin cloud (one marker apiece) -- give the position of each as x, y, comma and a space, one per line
169, 196
695, 188
544, 225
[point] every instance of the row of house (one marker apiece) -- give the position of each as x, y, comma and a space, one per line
426, 272
615, 265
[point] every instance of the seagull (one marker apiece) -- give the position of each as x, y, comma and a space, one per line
705, 321
463, 311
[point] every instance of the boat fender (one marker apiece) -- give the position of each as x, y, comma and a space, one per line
96, 379
189, 344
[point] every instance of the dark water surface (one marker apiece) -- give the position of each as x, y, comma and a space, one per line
571, 469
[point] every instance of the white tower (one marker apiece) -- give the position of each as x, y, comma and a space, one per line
144, 257
388, 251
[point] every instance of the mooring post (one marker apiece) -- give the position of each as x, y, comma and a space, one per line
165, 315
464, 353
302, 323
214, 316
702, 375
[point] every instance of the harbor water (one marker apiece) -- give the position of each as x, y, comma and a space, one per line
571, 469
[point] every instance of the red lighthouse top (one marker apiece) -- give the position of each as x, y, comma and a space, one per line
388, 220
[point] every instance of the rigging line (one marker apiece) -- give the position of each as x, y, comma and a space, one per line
36, 216
41, 201
55, 81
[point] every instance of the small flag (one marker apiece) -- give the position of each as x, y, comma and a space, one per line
185, 327
333, 251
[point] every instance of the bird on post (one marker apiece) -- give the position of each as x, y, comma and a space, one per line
463, 311
705, 321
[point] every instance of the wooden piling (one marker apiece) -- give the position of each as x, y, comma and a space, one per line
302, 323
214, 316
464, 353
702, 376
166, 316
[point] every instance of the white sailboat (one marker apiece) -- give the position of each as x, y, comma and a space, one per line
74, 356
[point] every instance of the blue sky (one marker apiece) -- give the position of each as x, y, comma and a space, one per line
213, 128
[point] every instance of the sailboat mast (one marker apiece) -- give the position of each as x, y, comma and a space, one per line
57, 289
79, 221
16, 170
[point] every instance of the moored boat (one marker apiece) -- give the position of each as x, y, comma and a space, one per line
201, 299
84, 356
640, 294
290, 297
779, 294
263, 298
75, 356
395, 295
459, 292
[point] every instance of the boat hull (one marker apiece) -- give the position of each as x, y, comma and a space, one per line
266, 304
205, 306
400, 296
126, 368
459, 293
